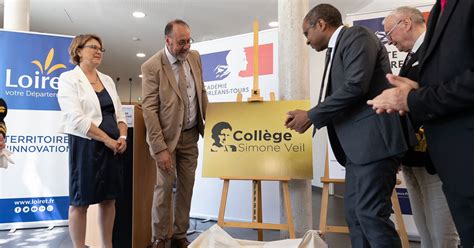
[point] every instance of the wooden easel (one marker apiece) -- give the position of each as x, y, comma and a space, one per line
325, 228
257, 220
255, 94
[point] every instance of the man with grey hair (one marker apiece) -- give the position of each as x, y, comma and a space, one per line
405, 28
443, 100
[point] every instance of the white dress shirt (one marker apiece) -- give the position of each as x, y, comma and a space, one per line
418, 42
331, 44
191, 89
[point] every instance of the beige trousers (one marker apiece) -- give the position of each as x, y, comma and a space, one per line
163, 214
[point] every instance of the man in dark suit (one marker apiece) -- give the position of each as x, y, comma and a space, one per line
369, 145
444, 102
405, 28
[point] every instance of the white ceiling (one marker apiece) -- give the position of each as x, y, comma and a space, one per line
209, 19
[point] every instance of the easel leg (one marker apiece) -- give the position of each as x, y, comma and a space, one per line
225, 190
324, 208
289, 213
402, 232
259, 208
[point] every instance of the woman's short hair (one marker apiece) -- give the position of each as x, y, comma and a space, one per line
77, 43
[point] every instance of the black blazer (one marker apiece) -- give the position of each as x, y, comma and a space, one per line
445, 101
412, 158
410, 68
359, 66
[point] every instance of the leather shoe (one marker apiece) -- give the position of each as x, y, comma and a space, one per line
179, 243
159, 243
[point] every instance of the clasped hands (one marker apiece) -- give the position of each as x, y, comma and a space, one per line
394, 99
117, 146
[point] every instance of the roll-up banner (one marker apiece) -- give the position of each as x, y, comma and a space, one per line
34, 190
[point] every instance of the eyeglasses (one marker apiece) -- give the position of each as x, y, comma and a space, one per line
305, 32
185, 42
96, 48
387, 35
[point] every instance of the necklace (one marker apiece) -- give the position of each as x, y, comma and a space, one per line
97, 80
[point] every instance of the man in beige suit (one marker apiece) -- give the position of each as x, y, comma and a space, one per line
174, 105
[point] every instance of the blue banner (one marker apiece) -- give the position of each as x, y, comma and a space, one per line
30, 209
404, 200
30, 65
35, 188
376, 25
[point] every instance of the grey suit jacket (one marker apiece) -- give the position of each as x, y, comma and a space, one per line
163, 108
359, 66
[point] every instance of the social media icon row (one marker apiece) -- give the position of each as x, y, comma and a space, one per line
34, 209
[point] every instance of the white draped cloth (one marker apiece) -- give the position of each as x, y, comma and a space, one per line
216, 237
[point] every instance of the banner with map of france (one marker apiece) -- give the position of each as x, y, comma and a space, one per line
34, 190
227, 65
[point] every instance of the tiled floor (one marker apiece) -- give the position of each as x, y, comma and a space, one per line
58, 237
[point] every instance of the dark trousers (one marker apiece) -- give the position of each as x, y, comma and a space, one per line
462, 210
368, 206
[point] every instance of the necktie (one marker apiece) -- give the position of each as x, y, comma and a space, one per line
183, 85
406, 64
322, 91
407, 59
443, 4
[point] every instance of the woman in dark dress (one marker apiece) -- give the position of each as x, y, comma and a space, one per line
93, 118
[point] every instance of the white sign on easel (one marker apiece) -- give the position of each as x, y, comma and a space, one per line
336, 170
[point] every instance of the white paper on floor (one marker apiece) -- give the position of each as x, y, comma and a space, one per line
216, 237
